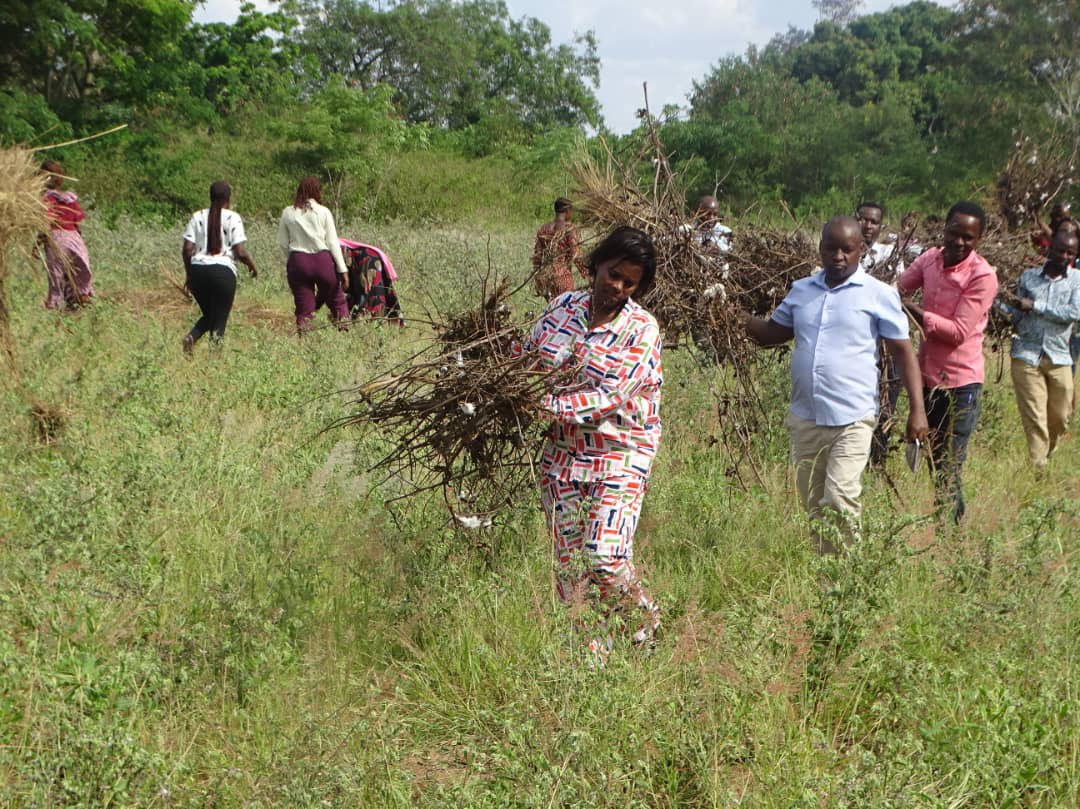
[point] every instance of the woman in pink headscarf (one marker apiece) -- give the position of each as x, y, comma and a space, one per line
66, 259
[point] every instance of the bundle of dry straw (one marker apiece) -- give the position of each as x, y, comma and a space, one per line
23, 216
462, 414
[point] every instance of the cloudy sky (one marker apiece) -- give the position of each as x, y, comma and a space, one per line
667, 43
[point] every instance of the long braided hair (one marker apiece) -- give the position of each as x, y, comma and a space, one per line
220, 194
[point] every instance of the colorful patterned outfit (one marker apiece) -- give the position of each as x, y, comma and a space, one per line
66, 257
605, 435
554, 256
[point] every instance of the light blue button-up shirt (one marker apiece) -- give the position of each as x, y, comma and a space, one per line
1046, 329
834, 369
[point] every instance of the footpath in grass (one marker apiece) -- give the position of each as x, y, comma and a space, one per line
205, 602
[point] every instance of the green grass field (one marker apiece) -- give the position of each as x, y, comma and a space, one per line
204, 601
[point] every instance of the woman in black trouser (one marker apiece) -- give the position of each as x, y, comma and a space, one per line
213, 242
214, 287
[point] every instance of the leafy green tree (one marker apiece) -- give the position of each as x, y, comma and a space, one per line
1029, 49
232, 65
80, 53
839, 12
454, 64
347, 135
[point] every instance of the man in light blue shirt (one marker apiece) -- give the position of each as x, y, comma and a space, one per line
1044, 311
836, 318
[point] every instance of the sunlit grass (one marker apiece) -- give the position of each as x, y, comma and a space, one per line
205, 601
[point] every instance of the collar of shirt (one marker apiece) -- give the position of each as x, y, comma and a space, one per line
858, 278
1052, 278
972, 258
617, 324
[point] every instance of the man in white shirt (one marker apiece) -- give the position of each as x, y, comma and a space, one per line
877, 256
838, 318
713, 233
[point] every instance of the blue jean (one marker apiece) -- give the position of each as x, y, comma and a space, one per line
952, 414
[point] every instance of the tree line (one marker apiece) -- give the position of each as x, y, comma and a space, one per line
396, 102
918, 105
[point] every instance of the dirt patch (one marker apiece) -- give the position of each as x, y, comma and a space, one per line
173, 302
435, 768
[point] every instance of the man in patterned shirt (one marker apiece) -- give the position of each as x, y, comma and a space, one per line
605, 425
1046, 306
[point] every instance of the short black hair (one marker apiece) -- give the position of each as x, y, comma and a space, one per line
870, 204
628, 244
968, 208
562, 205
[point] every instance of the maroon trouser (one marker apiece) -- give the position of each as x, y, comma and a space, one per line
314, 282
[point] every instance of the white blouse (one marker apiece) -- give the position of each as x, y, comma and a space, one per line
310, 229
232, 234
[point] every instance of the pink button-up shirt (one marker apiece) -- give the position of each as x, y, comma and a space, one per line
608, 426
957, 301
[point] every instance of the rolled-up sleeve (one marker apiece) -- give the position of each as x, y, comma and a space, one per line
975, 302
784, 314
1063, 311
892, 321
911, 279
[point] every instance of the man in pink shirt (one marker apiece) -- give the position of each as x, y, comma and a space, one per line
959, 287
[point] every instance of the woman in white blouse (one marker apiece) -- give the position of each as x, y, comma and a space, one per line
315, 267
213, 242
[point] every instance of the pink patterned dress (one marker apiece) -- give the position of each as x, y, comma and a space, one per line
66, 258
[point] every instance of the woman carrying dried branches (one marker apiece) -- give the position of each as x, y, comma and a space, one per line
308, 237
66, 257
213, 242
556, 252
606, 426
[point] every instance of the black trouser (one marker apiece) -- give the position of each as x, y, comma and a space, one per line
214, 287
952, 414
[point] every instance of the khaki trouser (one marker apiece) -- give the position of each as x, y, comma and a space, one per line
829, 463
1044, 398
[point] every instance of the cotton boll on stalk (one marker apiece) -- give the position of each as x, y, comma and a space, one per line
472, 521
467, 408
715, 291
